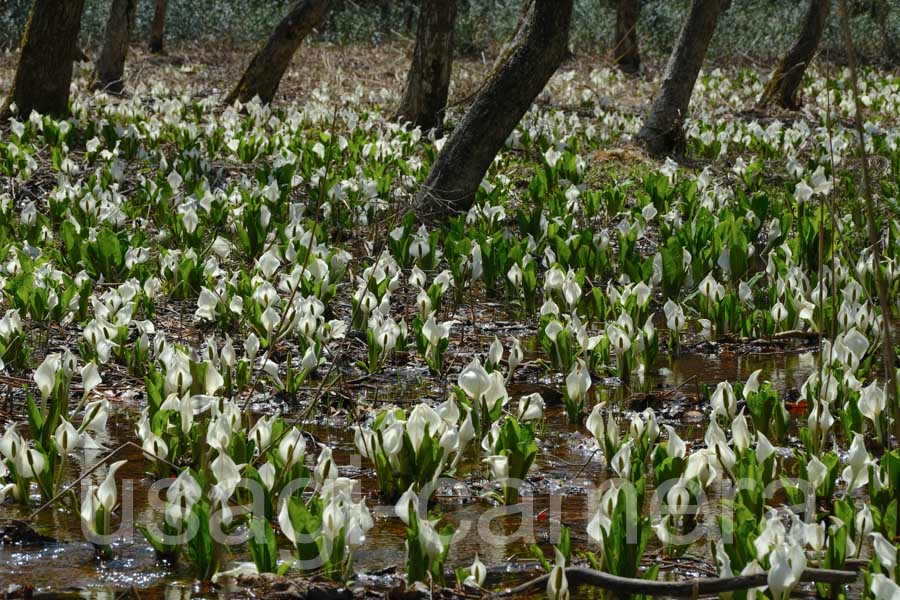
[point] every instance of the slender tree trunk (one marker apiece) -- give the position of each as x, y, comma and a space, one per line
158, 27
49, 48
663, 130
428, 82
788, 75
626, 52
498, 108
270, 62
873, 232
109, 71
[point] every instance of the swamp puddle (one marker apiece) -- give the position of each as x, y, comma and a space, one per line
564, 470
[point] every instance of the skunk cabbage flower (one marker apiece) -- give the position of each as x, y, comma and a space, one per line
499, 466
292, 448
531, 408
90, 378
557, 584
429, 539
675, 320
100, 497
723, 401
477, 573
578, 381
45, 375
495, 353
408, 500
856, 473
30, 463
886, 551
675, 447
752, 385
325, 466
872, 402
740, 434
787, 564
285, 523
883, 588
66, 437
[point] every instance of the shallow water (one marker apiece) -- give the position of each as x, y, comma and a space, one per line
564, 472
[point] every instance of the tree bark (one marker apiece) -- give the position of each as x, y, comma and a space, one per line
881, 10
428, 82
663, 131
788, 75
516, 39
48, 51
503, 100
109, 71
626, 52
158, 27
270, 62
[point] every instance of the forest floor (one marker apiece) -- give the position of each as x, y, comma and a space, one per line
661, 310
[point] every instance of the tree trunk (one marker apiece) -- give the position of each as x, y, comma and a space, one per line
49, 47
881, 10
498, 108
428, 82
109, 71
516, 39
158, 27
270, 62
626, 52
788, 75
663, 131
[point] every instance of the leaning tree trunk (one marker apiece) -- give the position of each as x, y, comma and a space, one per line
663, 130
504, 99
788, 75
49, 48
270, 62
158, 27
626, 52
428, 82
109, 71
516, 39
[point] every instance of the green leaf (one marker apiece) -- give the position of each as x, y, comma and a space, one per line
35, 418
262, 545
158, 546
539, 555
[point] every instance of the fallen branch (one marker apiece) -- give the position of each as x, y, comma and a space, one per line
688, 588
67, 488
792, 334
668, 393
96, 466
